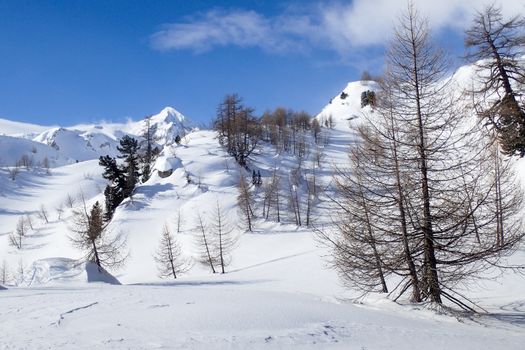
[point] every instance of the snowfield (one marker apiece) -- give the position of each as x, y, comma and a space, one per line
277, 293
224, 312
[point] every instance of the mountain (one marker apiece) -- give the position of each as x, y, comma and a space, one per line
346, 106
278, 291
66, 145
19, 129
166, 126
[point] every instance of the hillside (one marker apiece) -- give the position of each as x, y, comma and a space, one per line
277, 292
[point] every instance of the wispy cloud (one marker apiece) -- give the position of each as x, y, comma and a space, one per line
334, 26
239, 28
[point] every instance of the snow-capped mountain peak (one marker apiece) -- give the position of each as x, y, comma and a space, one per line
169, 115
166, 125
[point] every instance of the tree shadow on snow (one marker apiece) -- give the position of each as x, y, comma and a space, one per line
517, 319
512, 314
201, 283
149, 191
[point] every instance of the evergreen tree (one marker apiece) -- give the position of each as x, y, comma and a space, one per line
149, 152
123, 178
128, 149
114, 190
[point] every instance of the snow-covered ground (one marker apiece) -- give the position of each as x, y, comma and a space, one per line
277, 293
228, 312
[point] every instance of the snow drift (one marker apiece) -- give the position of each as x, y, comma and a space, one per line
65, 271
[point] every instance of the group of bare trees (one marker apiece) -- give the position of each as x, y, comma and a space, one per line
17, 236
288, 130
289, 196
238, 128
25, 225
214, 240
427, 202
28, 162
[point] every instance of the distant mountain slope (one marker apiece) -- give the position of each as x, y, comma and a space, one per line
66, 145
19, 129
166, 125
12, 149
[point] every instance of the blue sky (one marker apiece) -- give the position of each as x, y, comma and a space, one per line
66, 62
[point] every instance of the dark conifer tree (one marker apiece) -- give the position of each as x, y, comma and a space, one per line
123, 178
128, 149
148, 152
114, 190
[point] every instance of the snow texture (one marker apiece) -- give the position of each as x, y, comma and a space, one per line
277, 292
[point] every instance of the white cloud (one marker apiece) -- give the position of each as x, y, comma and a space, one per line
336, 26
220, 28
369, 22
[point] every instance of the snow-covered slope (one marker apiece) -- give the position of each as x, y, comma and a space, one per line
76, 145
346, 106
68, 145
13, 149
18, 129
277, 292
65, 271
166, 125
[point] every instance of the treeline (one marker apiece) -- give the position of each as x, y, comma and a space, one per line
281, 194
240, 131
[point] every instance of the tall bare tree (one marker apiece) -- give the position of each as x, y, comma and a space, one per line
5, 275
91, 235
42, 214
245, 200
239, 131
16, 238
205, 245
225, 238
169, 258
497, 46
422, 172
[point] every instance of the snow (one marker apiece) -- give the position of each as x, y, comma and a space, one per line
166, 125
200, 314
64, 271
14, 148
167, 163
277, 293
13, 128
66, 145
345, 109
